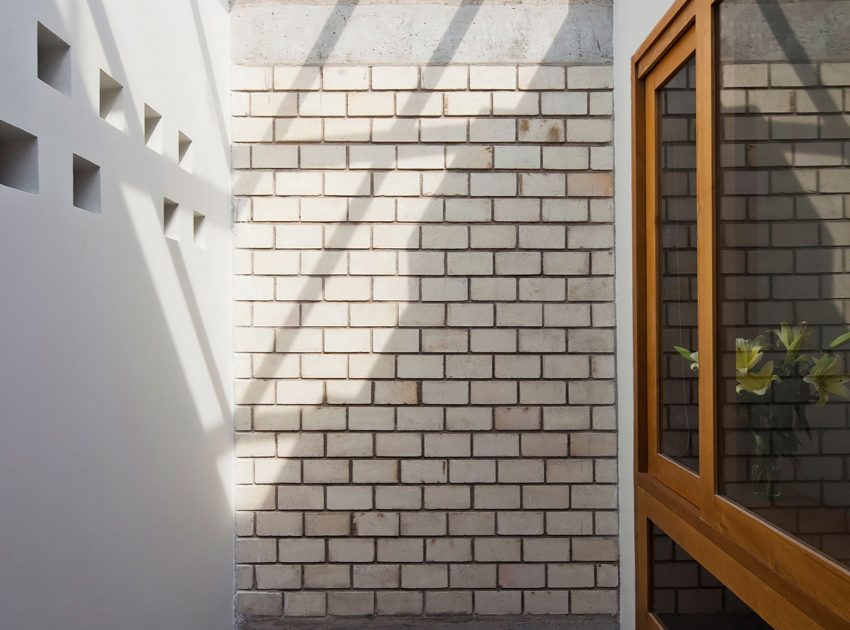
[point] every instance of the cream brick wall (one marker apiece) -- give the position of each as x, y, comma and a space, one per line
424, 337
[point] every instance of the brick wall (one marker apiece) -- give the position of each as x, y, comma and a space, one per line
785, 245
424, 337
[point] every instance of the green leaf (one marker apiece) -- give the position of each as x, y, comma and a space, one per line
839, 341
693, 357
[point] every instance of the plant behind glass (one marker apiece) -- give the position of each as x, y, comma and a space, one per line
773, 396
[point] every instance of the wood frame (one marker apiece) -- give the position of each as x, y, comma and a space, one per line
790, 584
684, 481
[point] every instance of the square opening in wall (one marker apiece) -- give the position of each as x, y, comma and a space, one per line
112, 101
170, 219
18, 158
184, 151
199, 230
153, 129
86, 185
54, 60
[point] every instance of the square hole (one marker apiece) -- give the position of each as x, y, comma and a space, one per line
54, 60
171, 219
184, 151
153, 129
199, 230
112, 101
18, 158
86, 185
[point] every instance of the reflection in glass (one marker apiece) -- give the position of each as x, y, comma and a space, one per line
678, 262
784, 236
687, 597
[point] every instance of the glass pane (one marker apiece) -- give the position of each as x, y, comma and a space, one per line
678, 262
687, 597
785, 265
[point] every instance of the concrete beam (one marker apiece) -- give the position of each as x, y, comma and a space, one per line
282, 32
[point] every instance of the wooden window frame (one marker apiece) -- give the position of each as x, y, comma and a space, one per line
789, 583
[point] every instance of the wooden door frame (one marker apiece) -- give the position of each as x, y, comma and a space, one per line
770, 569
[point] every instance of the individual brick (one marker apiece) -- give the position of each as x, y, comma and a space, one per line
297, 77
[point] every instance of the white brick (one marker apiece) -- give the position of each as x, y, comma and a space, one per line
348, 129
347, 184
298, 130
493, 184
540, 130
590, 77
297, 78
395, 77
421, 210
298, 340
373, 209
327, 209
295, 236
372, 263
321, 104
347, 289
589, 130
298, 183
397, 184
399, 289
448, 184
372, 156
371, 104
565, 158
274, 156
276, 263
470, 263
345, 78
466, 156
274, 104
253, 183
542, 184
516, 103
601, 103
299, 392
323, 156
252, 129
259, 604
253, 236
492, 130
250, 78
240, 103
452, 77
420, 157
419, 104
541, 78
443, 129
304, 604
250, 288
835, 73
566, 103
517, 157
468, 103
492, 77
395, 130
240, 156
468, 210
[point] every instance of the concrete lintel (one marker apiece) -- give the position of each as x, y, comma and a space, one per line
435, 32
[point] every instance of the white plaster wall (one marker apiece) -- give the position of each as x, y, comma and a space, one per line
633, 21
115, 438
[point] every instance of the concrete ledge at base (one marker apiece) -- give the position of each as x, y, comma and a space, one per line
569, 622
